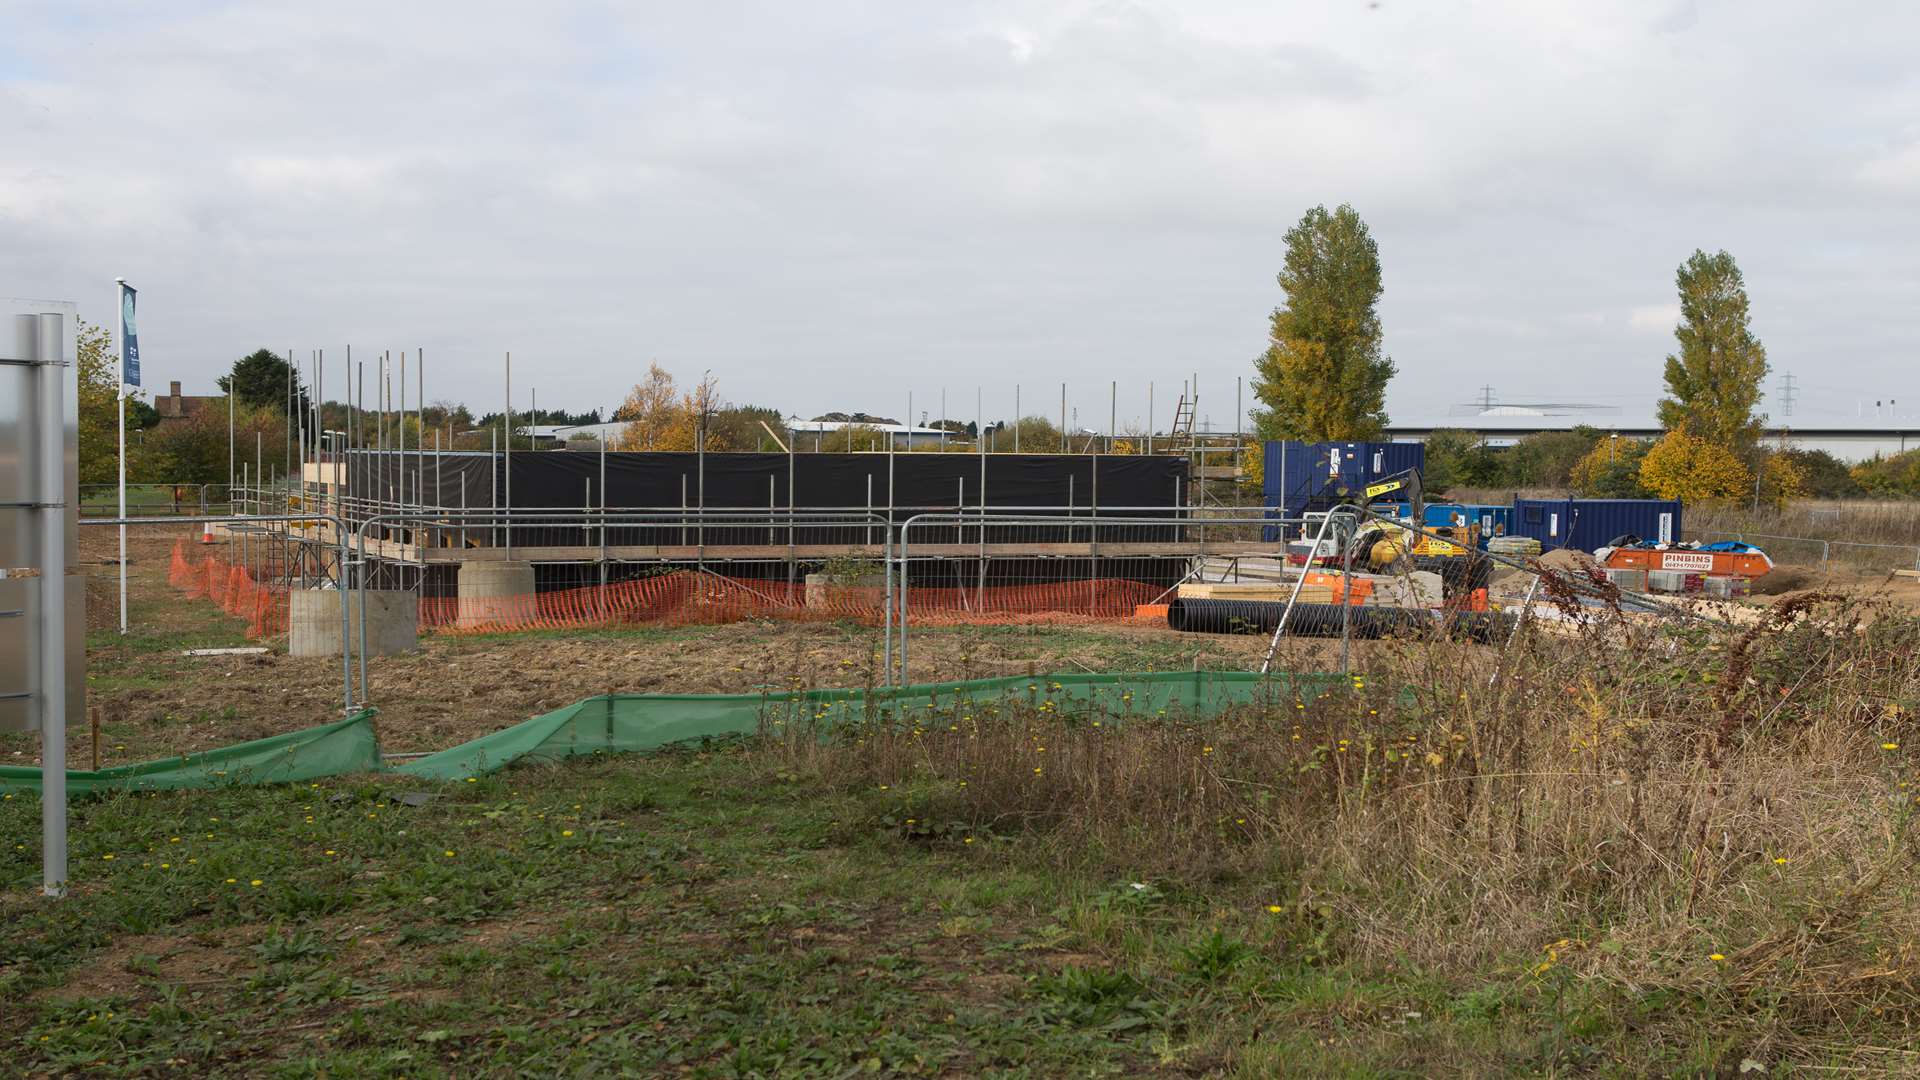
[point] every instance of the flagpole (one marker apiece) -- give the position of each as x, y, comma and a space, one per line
120, 379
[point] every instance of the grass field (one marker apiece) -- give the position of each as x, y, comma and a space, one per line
1620, 855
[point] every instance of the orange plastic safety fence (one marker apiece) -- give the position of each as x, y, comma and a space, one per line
682, 597
232, 589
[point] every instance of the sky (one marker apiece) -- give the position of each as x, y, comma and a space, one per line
833, 205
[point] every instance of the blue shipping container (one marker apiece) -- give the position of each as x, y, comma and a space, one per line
1296, 471
1586, 524
1494, 520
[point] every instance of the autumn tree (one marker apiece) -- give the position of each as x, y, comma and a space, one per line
1323, 376
739, 427
651, 410
194, 450
1611, 470
100, 412
851, 437
1692, 469
1036, 435
1714, 381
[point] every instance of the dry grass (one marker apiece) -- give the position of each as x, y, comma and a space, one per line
1702, 813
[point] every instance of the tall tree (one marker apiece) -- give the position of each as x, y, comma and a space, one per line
1714, 381
260, 378
651, 409
1323, 375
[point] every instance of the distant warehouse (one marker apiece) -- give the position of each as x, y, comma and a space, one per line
1850, 439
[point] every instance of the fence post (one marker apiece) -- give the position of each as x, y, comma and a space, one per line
1825, 547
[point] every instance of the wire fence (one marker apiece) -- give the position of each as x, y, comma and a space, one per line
1817, 551
154, 500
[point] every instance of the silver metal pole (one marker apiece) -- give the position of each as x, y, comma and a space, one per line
47, 332
420, 417
1016, 418
508, 432
402, 446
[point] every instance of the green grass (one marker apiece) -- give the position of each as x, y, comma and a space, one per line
690, 913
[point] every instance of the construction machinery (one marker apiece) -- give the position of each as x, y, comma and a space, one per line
1450, 549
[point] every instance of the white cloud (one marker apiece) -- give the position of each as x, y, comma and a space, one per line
831, 203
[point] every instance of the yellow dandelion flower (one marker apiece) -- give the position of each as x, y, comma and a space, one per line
969, 840
1889, 746
1715, 957
449, 854
566, 832
108, 857
1780, 860
1274, 909
256, 883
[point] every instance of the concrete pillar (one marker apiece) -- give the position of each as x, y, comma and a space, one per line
313, 622
495, 594
824, 590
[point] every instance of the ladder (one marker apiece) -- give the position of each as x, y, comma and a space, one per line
1181, 434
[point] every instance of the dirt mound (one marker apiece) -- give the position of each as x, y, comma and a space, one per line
1569, 561
1784, 579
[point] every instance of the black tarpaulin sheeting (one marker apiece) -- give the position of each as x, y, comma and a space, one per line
856, 483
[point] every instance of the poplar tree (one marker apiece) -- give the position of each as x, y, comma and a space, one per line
1323, 376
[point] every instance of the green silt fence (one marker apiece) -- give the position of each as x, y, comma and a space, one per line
345, 746
623, 723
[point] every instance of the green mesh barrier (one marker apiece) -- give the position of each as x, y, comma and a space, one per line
345, 746
621, 723
630, 722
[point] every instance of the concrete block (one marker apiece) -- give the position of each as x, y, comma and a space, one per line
313, 622
494, 593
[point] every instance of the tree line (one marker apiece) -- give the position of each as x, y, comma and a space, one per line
1324, 373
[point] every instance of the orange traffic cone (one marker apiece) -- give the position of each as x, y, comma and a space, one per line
206, 532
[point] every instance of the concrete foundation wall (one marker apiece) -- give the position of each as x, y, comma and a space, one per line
313, 622
494, 592
822, 589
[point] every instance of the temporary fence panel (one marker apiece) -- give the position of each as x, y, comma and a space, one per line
639, 722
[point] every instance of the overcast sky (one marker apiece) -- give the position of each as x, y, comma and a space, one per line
832, 204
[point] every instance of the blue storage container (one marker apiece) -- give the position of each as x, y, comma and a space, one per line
1494, 520
1586, 524
1296, 471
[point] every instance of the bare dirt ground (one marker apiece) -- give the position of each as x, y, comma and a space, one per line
153, 700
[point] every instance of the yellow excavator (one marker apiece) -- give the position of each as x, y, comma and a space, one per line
1451, 551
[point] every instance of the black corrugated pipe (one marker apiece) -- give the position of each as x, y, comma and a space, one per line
1320, 620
